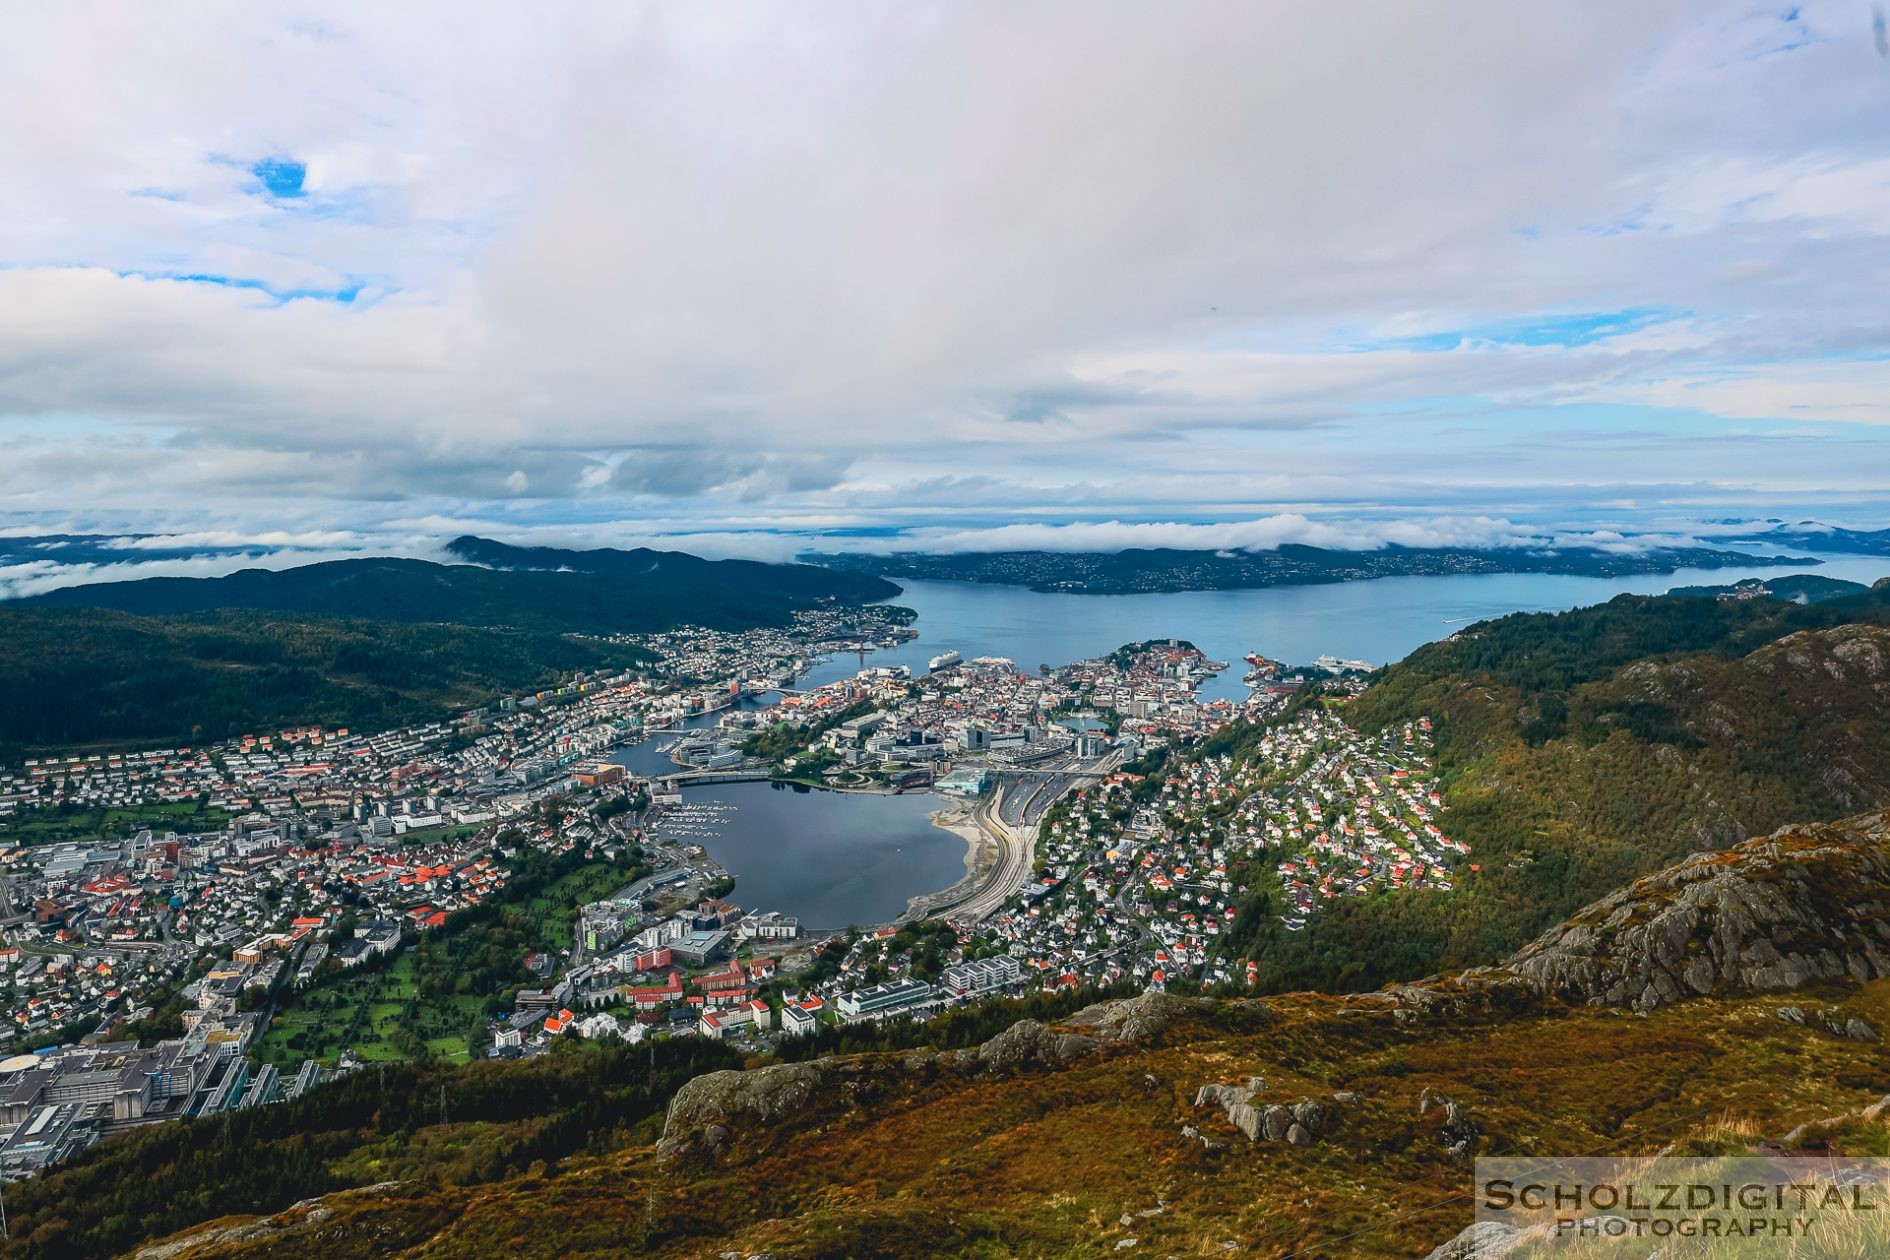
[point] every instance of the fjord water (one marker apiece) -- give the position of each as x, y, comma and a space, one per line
829, 858
1379, 621
838, 858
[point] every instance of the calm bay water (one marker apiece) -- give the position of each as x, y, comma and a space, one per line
1378, 621
837, 858
829, 858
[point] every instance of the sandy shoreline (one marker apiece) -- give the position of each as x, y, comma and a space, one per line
981, 856
959, 821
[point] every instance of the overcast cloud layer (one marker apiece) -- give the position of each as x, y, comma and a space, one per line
748, 271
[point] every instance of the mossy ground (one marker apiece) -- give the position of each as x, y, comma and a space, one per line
1048, 1163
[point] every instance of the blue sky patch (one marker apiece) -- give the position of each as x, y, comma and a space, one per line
1579, 328
280, 177
346, 293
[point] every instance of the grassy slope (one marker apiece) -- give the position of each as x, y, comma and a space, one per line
1047, 1164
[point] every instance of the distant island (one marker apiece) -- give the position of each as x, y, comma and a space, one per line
1815, 536
1797, 588
1162, 570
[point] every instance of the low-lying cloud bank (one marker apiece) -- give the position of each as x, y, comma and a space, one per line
31, 564
1261, 534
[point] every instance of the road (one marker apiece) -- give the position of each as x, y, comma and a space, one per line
1011, 818
1016, 850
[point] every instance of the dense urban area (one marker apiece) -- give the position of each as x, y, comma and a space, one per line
197, 930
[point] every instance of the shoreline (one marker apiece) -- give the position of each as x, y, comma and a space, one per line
982, 857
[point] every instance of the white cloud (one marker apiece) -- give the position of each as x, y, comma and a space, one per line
681, 264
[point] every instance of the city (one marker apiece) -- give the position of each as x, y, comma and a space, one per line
281, 908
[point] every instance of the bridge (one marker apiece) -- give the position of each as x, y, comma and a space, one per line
702, 778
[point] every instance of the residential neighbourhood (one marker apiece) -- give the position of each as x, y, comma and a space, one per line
284, 906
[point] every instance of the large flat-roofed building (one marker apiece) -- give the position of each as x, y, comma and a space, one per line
308, 1078
898, 997
48, 1136
599, 774
967, 781
986, 975
699, 947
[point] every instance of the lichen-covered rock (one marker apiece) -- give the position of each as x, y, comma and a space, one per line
1482, 1240
1125, 1021
1273, 1122
706, 1110
1028, 1043
1806, 904
1221, 1095
1459, 1134
1309, 1115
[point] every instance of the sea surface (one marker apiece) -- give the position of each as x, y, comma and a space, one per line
1378, 621
831, 859
834, 859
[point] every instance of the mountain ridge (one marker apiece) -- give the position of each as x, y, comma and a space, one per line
605, 599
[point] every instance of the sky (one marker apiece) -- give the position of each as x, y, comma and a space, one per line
958, 275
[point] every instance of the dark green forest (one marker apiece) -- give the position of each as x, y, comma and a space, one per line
702, 593
80, 676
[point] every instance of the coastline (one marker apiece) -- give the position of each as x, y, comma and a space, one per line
982, 857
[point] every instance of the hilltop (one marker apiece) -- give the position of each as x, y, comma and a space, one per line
1580, 750
1194, 1125
601, 593
366, 642
799, 583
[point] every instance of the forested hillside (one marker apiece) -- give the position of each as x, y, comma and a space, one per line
371, 642
1582, 749
1138, 569
75, 676
798, 582
463, 594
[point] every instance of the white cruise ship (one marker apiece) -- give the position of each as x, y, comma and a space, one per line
944, 659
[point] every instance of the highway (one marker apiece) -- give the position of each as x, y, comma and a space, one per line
1016, 849
1011, 818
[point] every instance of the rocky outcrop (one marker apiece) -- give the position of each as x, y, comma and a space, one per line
1832, 1019
298, 1223
1804, 905
1127, 1021
711, 1112
1028, 1043
707, 1110
1483, 1240
1460, 1133
1299, 1123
